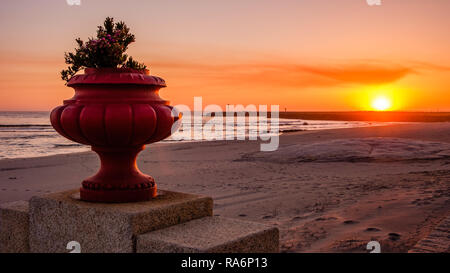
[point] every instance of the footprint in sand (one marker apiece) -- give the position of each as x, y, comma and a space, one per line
325, 219
372, 229
394, 236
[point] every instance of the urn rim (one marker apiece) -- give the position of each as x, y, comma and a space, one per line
116, 76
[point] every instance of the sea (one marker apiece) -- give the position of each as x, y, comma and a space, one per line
29, 134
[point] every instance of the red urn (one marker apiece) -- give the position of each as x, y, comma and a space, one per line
117, 112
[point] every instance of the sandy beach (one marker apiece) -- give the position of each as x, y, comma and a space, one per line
327, 191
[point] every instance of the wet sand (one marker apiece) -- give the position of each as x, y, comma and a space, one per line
327, 191
391, 116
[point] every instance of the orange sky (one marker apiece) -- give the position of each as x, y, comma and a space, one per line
306, 55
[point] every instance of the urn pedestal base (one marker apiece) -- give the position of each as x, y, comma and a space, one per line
118, 180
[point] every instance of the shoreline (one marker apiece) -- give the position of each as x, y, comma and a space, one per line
326, 190
282, 132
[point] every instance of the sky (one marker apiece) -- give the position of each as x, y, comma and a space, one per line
304, 55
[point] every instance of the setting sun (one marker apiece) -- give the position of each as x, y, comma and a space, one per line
381, 104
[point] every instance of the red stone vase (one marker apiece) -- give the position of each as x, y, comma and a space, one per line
117, 112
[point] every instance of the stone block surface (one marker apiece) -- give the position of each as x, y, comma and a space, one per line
58, 218
14, 227
211, 235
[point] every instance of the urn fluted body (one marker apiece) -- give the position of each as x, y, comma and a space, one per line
117, 112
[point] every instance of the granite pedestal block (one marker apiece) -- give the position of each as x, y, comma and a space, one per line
172, 222
56, 219
14, 227
211, 235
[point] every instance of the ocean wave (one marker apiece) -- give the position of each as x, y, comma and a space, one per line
28, 131
28, 137
67, 145
291, 130
24, 125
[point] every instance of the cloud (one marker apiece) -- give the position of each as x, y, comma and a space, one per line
292, 75
361, 73
429, 66
289, 75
